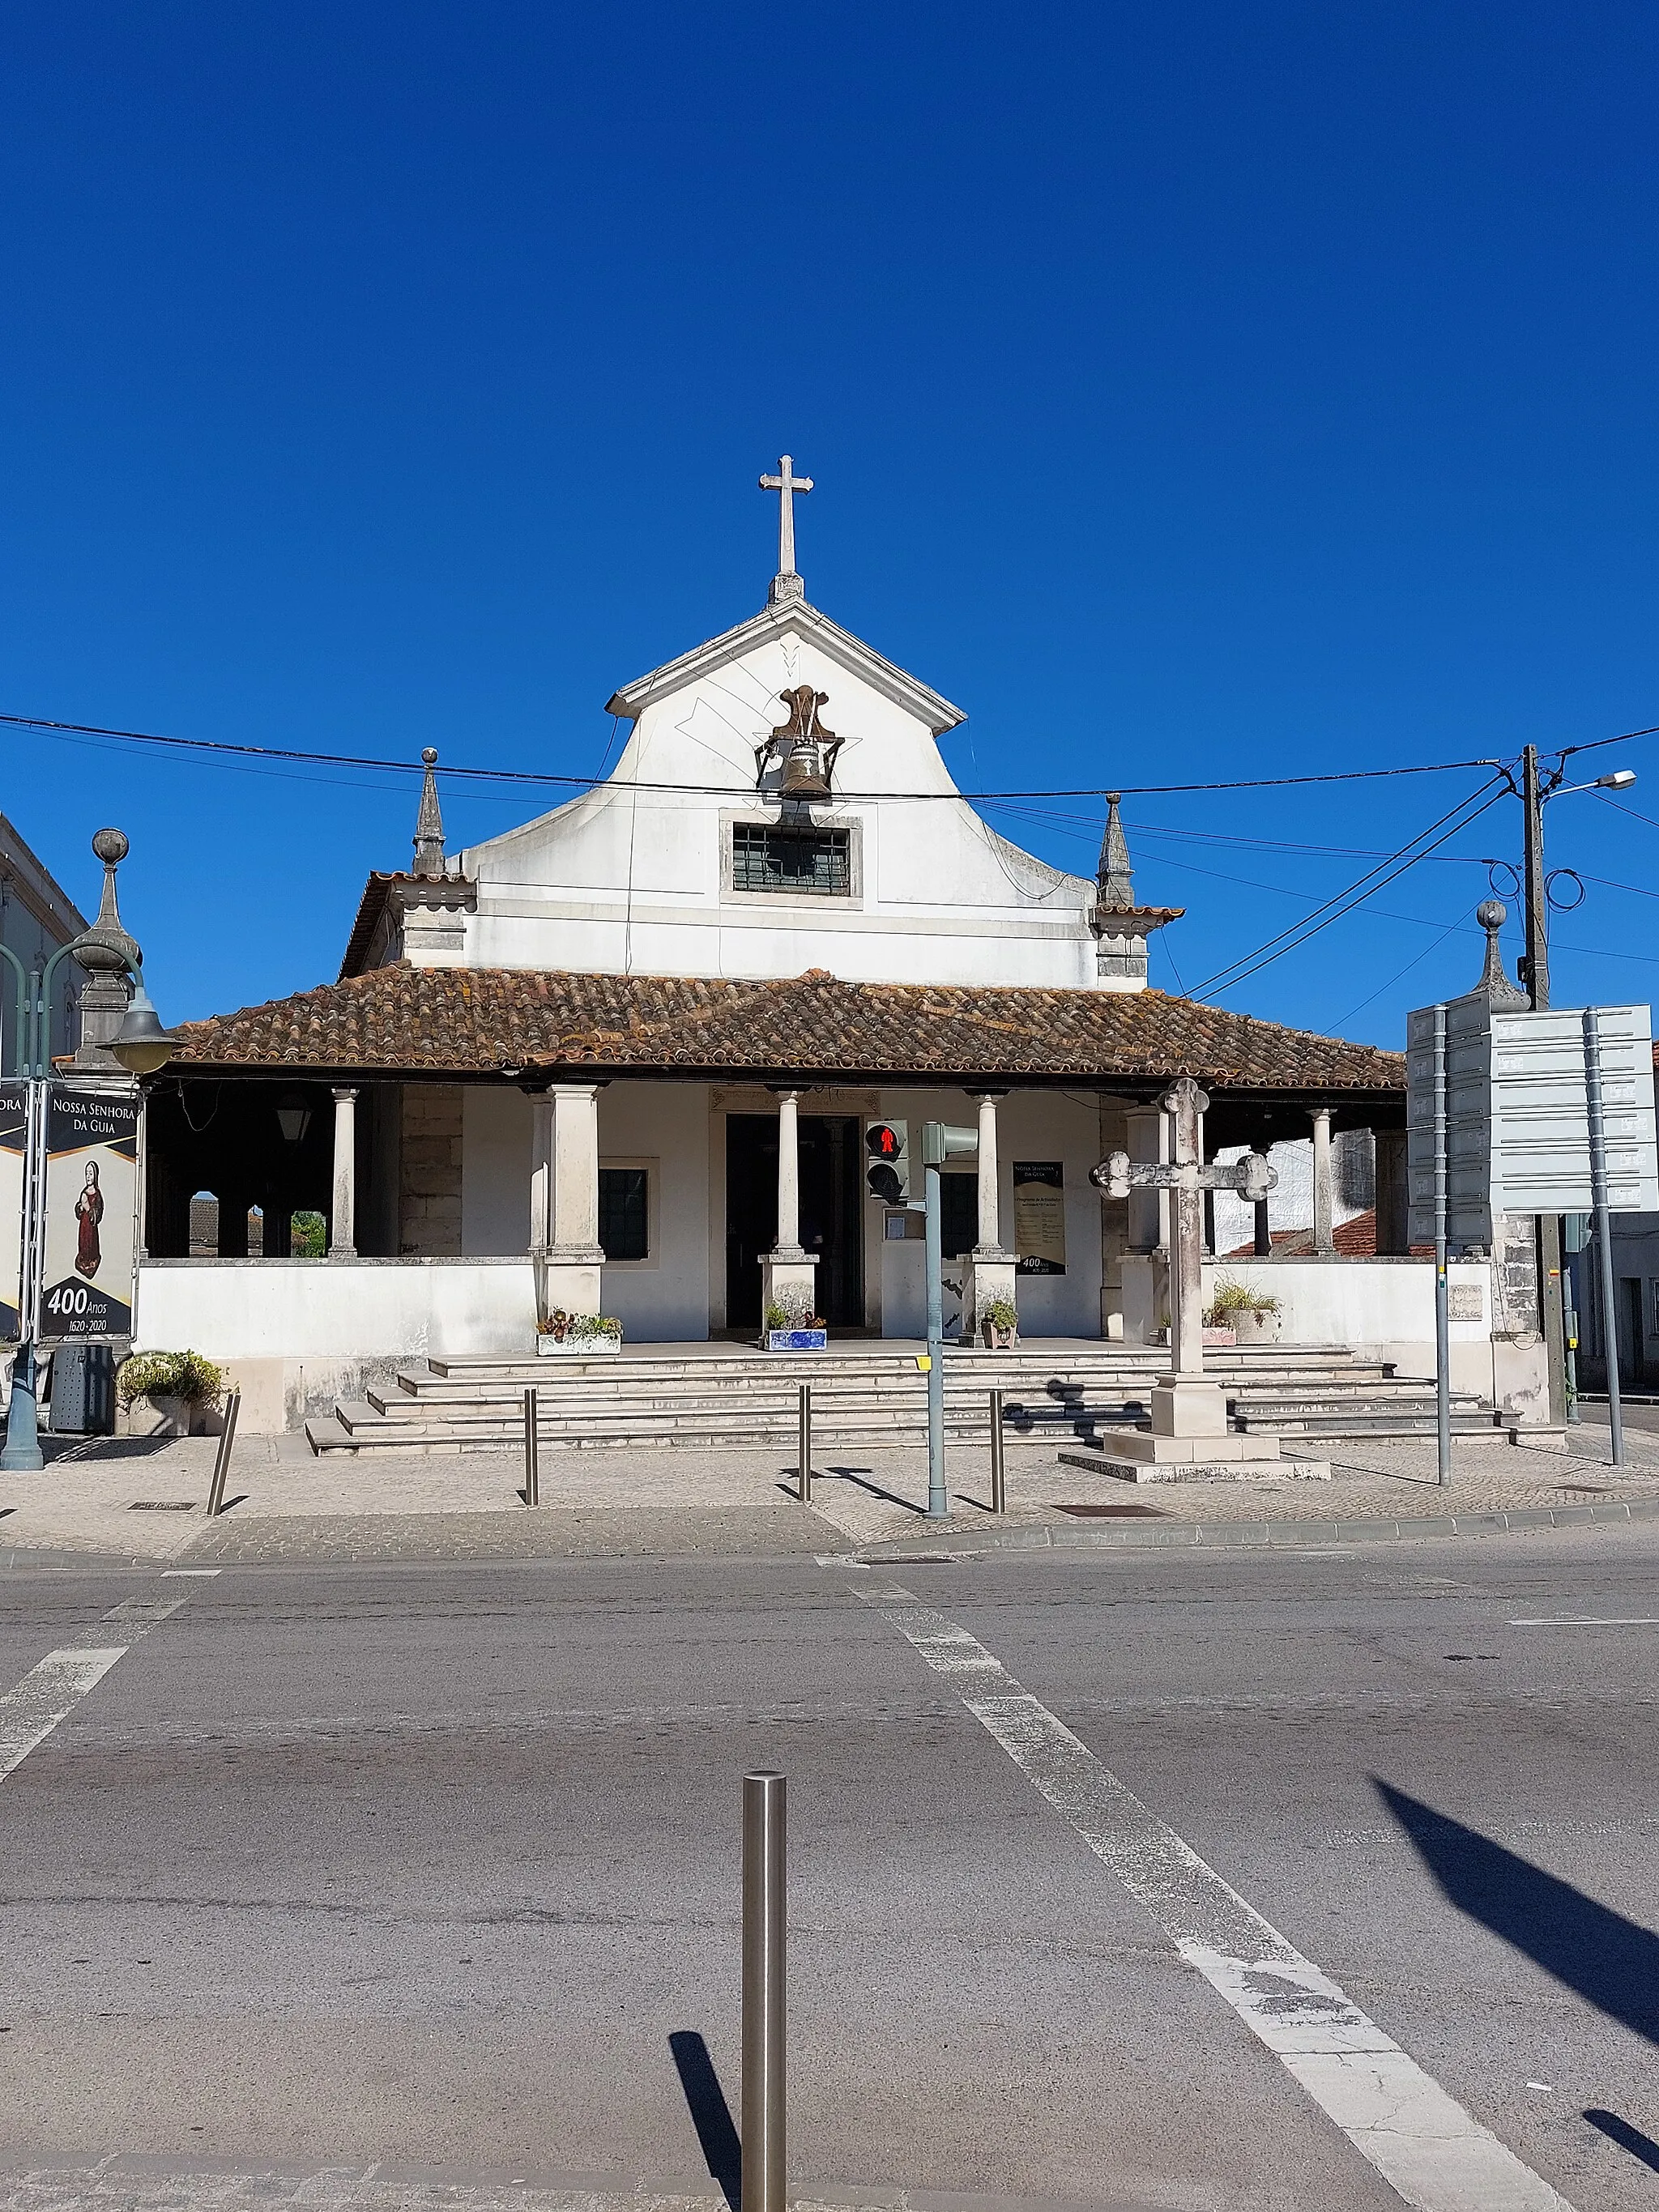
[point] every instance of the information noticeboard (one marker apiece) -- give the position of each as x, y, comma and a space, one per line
1039, 1218
91, 1214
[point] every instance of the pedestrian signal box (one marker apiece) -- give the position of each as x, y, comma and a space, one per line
887, 1176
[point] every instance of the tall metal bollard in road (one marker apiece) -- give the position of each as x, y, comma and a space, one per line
805, 1468
221, 1457
999, 1476
532, 1469
764, 1992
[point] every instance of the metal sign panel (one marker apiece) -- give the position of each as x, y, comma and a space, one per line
1518, 1118
1540, 1117
92, 1196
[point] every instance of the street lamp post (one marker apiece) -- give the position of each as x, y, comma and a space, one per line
140, 1045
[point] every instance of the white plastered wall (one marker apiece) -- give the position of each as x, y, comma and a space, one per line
662, 1126
628, 879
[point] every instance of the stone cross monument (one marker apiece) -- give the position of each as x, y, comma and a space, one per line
1190, 1436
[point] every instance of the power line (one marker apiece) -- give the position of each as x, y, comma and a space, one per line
220, 746
1343, 901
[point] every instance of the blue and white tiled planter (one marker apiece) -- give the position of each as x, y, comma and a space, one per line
796, 1339
578, 1347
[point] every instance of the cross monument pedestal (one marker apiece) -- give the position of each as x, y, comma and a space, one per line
1190, 1437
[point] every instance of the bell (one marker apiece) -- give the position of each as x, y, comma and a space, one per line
803, 774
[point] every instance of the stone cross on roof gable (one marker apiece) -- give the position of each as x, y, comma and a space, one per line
785, 584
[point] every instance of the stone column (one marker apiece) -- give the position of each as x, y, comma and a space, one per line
788, 1272
1323, 1240
565, 1199
541, 1171
343, 1226
1114, 1226
1392, 1193
1148, 1297
988, 1272
787, 1245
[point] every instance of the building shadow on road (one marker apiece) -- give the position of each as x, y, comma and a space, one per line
1609, 1960
711, 2115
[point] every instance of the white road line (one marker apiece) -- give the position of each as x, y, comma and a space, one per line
181, 1574
51, 1690
1586, 1620
1421, 2141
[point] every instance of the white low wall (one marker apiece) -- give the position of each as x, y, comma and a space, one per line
1363, 1301
335, 1309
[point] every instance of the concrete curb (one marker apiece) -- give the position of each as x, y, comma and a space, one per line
1247, 1535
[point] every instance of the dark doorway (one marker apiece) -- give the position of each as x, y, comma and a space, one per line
832, 1213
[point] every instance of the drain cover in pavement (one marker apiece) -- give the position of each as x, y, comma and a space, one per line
1123, 1509
162, 1505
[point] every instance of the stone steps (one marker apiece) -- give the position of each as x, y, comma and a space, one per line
864, 1398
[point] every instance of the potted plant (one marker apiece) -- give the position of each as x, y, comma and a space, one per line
1246, 1315
584, 1336
791, 1326
999, 1324
167, 1394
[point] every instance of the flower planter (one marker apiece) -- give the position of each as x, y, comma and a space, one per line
999, 1339
162, 1416
1220, 1336
550, 1347
796, 1339
1250, 1327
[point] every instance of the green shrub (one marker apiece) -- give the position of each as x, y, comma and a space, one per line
1000, 1313
184, 1375
308, 1238
1232, 1296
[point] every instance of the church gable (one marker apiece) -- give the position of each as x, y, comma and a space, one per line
781, 803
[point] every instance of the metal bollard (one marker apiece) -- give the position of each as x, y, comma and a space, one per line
221, 1457
999, 1487
805, 1466
764, 1992
533, 1473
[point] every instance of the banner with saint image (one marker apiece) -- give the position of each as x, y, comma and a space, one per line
91, 1193
13, 1166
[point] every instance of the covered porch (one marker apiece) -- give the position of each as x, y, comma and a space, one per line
483, 1147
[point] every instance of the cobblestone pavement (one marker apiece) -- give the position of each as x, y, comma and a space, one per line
144, 1501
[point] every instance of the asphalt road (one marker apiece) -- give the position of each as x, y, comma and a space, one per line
436, 1866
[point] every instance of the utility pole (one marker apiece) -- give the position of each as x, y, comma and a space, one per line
1537, 979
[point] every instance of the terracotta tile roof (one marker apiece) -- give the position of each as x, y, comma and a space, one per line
1355, 1239
493, 1021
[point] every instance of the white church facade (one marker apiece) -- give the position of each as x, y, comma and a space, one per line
624, 1060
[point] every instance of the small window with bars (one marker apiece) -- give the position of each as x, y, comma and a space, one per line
815, 861
625, 1213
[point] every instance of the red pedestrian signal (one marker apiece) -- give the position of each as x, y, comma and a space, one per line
887, 1176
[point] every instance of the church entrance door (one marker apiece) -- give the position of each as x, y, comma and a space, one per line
832, 1213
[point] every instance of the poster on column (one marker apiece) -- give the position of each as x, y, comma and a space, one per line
1039, 1218
92, 1193
14, 1163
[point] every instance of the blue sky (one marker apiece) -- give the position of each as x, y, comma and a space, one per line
1191, 394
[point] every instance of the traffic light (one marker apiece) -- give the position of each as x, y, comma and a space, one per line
887, 1176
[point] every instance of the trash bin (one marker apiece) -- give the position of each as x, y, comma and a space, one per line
83, 1402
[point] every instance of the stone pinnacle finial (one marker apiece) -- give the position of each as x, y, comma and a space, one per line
429, 822
1113, 875
106, 947
1495, 986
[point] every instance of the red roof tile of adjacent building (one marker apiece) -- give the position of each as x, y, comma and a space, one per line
458, 1022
